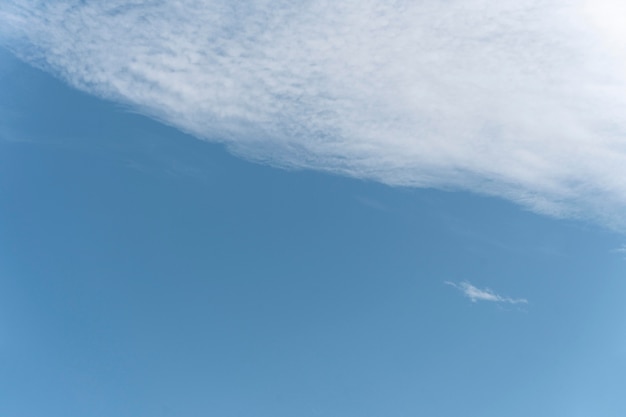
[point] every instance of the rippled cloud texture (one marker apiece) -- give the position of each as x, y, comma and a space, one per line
520, 99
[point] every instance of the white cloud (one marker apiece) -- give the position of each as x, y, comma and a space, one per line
522, 99
476, 294
621, 250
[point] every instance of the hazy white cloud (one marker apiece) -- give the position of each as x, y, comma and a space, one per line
522, 99
476, 294
621, 250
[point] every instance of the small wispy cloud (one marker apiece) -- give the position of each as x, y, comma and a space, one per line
620, 250
476, 294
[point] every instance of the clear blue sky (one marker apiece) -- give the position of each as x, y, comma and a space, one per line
144, 272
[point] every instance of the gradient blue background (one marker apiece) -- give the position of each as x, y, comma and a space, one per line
146, 273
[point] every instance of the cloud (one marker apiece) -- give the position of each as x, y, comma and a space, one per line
524, 100
621, 250
476, 294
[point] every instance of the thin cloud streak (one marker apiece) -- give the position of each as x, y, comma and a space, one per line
620, 250
524, 100
476, 294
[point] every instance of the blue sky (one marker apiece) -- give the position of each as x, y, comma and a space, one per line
273, 269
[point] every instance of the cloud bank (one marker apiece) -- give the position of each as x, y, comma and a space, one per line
521, 99
476, 294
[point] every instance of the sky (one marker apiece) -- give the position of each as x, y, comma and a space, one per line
274, 209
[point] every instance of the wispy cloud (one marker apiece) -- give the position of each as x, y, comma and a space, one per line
521, 99
476, 294
620, 250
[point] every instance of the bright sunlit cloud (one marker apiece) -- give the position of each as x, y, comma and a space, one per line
525, 100
476, 294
